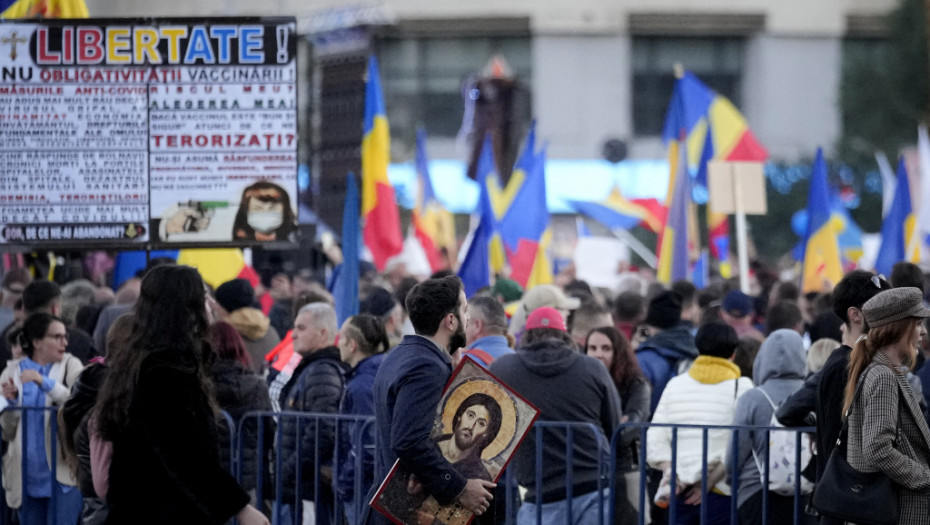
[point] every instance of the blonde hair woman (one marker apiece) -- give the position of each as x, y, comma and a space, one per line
818, 353
887, 431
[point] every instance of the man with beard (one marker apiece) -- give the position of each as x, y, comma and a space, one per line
474, 426
407, 390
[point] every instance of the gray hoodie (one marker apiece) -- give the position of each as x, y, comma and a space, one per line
779, 370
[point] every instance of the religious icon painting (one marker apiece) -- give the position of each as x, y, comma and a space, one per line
479, 424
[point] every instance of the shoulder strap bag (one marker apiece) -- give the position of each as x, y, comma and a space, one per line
866, 498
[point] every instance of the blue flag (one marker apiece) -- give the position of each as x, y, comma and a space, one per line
821, 253
898, 226
345, 287
475, 270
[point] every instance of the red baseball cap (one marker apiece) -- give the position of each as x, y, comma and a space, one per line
545, 317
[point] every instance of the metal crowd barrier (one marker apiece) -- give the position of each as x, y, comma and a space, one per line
733, 479
352, 436
548, 430
263, 433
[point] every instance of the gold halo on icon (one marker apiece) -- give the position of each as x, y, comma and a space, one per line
508, 412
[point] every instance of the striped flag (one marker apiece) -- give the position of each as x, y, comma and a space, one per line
673, 241
700, 110
617, 212
433, 224
525, 217
899, 228
23, 9
821, 267
714, 130
381, 230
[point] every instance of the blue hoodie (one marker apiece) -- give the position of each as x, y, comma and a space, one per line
661, 355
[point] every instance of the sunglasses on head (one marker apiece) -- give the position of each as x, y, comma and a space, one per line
875, 280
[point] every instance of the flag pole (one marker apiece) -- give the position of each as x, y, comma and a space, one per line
647, 256
741, 235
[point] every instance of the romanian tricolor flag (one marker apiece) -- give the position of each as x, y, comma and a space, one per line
673, 241
718, 224
432, 223
699, 110
381, 230
23, 9
616, 212
821, 266
714, 130
849, 235
525, 217
899, 228
514, 222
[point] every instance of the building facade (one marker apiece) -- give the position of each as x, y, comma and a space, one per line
593, 70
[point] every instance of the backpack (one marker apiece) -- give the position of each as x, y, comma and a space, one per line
782, 455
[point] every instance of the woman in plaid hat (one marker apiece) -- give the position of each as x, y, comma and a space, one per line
887, 430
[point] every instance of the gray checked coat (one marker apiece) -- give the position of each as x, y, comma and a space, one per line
872, 423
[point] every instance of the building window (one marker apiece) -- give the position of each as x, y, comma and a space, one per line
423, 78
718, 62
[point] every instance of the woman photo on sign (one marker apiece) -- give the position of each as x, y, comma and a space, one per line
887, 431
264, 214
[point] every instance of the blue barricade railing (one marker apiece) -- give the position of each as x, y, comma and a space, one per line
568, 435
271, 454
644, 500
334, 490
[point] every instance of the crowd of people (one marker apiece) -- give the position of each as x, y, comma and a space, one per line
140, 377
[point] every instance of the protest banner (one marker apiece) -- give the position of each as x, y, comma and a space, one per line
166, 131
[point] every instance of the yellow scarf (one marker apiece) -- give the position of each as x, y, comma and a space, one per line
712, 370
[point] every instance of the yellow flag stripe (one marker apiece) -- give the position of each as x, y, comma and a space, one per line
375, 153
822, 266
501, 199
542, 267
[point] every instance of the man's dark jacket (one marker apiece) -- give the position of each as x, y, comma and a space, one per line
407, 389
358, 401
316, 387
238, 391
